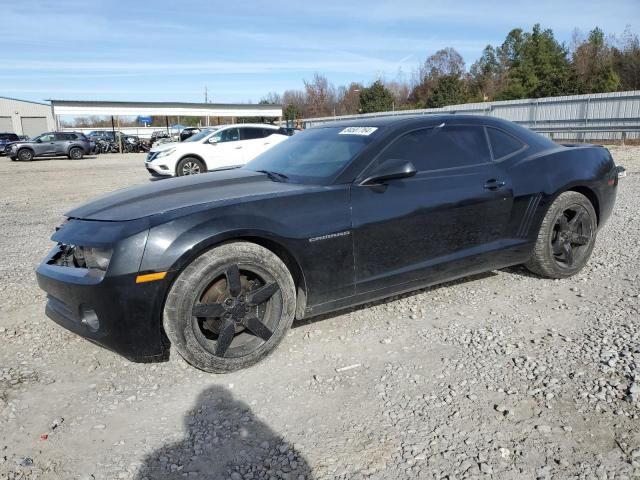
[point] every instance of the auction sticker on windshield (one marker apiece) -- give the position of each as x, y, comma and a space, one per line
357, 131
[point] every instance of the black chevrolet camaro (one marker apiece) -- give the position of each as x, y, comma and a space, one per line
219, 265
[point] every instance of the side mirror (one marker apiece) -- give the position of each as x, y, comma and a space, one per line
38, 141
389, 170
212, 141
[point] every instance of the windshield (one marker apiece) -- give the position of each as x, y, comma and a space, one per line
316, 155
199, 136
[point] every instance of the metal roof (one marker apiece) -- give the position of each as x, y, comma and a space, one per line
82, 107
25, 101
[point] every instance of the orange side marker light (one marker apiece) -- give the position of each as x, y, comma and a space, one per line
150, 277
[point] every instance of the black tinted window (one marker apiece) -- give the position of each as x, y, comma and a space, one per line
251, 133
442, 147
502, 143
9, 136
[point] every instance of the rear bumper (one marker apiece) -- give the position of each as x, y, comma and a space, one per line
113, 312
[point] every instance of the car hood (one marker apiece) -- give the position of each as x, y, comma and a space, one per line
209, 189
164, 146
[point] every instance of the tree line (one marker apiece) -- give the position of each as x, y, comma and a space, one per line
526, 65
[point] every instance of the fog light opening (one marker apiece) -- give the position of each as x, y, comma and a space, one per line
90, 318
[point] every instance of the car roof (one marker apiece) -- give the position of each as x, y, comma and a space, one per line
257, 125
395, 120
403, 122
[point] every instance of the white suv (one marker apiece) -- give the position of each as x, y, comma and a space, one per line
212, 148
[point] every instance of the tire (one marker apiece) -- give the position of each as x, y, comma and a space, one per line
76, 153
190, 166
250, 297
25, 155
566, 237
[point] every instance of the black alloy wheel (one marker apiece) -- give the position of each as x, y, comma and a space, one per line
230, 307
233, 317
572, 234
566, 237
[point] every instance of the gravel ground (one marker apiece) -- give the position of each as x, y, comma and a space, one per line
502, 375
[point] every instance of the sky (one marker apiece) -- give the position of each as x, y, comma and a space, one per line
240, 50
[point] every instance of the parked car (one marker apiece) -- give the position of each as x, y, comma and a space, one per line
212, 148
159, 134
338, 215
6, 139
70, 144
188, 132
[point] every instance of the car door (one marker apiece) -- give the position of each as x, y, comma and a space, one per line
223, 149
45, 144
252, 141
448, 220
62, 142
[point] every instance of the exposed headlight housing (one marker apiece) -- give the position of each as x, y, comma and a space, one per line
166, 152
93, 257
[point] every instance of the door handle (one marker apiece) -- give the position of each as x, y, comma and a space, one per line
493, 184
238, 148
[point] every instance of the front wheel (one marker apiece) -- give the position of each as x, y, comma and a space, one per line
566, 237
230, 307
25, 155
190, 166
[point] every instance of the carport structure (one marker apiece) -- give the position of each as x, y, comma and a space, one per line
115, 110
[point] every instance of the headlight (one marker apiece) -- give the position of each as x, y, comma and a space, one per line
164, 153
93, 257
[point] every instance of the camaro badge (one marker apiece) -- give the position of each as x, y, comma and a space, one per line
330, 235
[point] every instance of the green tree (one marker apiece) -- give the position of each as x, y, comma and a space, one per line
449, 90
626, 60
292, 112
486, 75
536, 64
593, 63
376, 98
446, 62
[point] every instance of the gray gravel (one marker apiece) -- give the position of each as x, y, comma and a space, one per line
502, 375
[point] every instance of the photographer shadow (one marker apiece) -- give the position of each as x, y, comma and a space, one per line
224, 440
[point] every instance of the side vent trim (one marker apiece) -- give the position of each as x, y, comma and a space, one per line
525, 225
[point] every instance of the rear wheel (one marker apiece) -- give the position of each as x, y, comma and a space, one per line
190, 166
230, 307
76, 153
566, 237
25, 155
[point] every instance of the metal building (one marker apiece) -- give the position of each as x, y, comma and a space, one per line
24, 117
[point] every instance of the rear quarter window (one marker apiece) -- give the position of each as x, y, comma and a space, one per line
503, 144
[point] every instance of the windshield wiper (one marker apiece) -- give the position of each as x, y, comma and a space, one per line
275, 176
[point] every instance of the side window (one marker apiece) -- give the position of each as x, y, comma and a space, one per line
442, 147
47, 137
251, 133
228, 135
502, 143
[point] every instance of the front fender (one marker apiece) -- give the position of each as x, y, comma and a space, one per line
287, 224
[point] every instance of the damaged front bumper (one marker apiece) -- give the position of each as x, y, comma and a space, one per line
108, 308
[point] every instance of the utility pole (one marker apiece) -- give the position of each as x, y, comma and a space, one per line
206, 97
